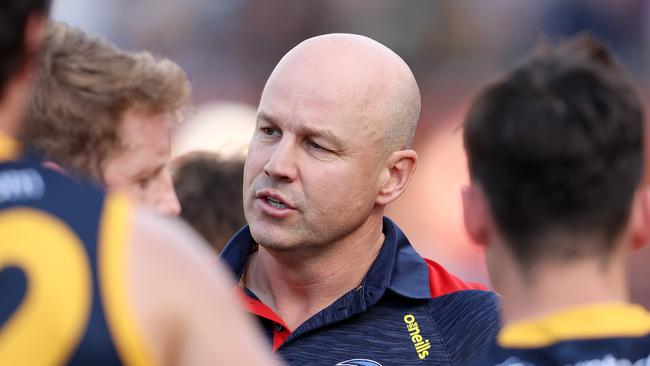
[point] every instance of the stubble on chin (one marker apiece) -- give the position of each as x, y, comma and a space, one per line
265, 238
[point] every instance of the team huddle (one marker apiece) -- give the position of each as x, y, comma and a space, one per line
95, 270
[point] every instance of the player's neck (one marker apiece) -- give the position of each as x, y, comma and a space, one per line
12, 106
8, 120
551, 287
298, 285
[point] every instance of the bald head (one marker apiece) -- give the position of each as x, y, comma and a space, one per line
371, 85
328, 153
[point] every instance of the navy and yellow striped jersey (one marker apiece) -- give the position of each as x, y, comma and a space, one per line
592, 335
63, 294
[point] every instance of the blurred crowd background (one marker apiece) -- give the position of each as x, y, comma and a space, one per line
229, 47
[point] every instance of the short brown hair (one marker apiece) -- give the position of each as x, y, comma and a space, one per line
82, 89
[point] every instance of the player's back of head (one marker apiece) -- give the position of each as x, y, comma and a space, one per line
557, 146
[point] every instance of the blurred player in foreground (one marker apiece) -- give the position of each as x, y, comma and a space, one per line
105, 113
85, 278
555, 153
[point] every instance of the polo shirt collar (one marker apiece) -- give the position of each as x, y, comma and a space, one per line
235, 253
398, 266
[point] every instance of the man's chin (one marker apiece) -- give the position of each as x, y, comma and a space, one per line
272, 238
277, 247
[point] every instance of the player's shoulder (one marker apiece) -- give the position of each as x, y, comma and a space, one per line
156, 266
29, 175
151, 244
177, 249
29, 188
597, 351
594, 333
164, 235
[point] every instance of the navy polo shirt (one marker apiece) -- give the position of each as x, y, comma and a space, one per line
407, 311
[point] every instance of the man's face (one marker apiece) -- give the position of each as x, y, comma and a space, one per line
311, 175
140, 166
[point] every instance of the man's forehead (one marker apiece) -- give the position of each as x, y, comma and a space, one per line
289, 103
145, 131
320, 99
141, 156
315, 103
302, 92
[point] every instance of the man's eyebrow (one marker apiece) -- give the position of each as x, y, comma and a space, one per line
150, 171
263, 116
321, 132
304, 130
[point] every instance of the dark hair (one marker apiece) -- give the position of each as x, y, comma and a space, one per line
210, 192
557, 147
13, 20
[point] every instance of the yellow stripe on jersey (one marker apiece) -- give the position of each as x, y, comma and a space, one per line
9, 148
611, 320
114, 281
50, 320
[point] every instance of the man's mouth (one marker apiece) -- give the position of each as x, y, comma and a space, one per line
275, 203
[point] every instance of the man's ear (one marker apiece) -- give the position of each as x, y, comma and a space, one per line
35, 30
397, 174
476, 213
640, 218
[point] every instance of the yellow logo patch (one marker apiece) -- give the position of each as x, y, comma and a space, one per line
421, 345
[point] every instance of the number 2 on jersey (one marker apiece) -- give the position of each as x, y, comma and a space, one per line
52, 316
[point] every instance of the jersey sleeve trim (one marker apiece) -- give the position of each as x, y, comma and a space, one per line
116, 217
608, 320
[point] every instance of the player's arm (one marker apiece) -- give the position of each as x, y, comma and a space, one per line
184, 300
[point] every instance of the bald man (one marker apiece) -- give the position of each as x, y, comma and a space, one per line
331, 280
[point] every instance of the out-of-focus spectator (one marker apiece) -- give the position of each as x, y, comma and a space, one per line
210, 191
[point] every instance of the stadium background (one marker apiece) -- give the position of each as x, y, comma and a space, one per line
229, 47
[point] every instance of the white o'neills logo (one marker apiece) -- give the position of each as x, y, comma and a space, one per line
20, 185
421, 345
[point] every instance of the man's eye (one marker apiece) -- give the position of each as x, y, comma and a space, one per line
269, 131
143, 183
314, 145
